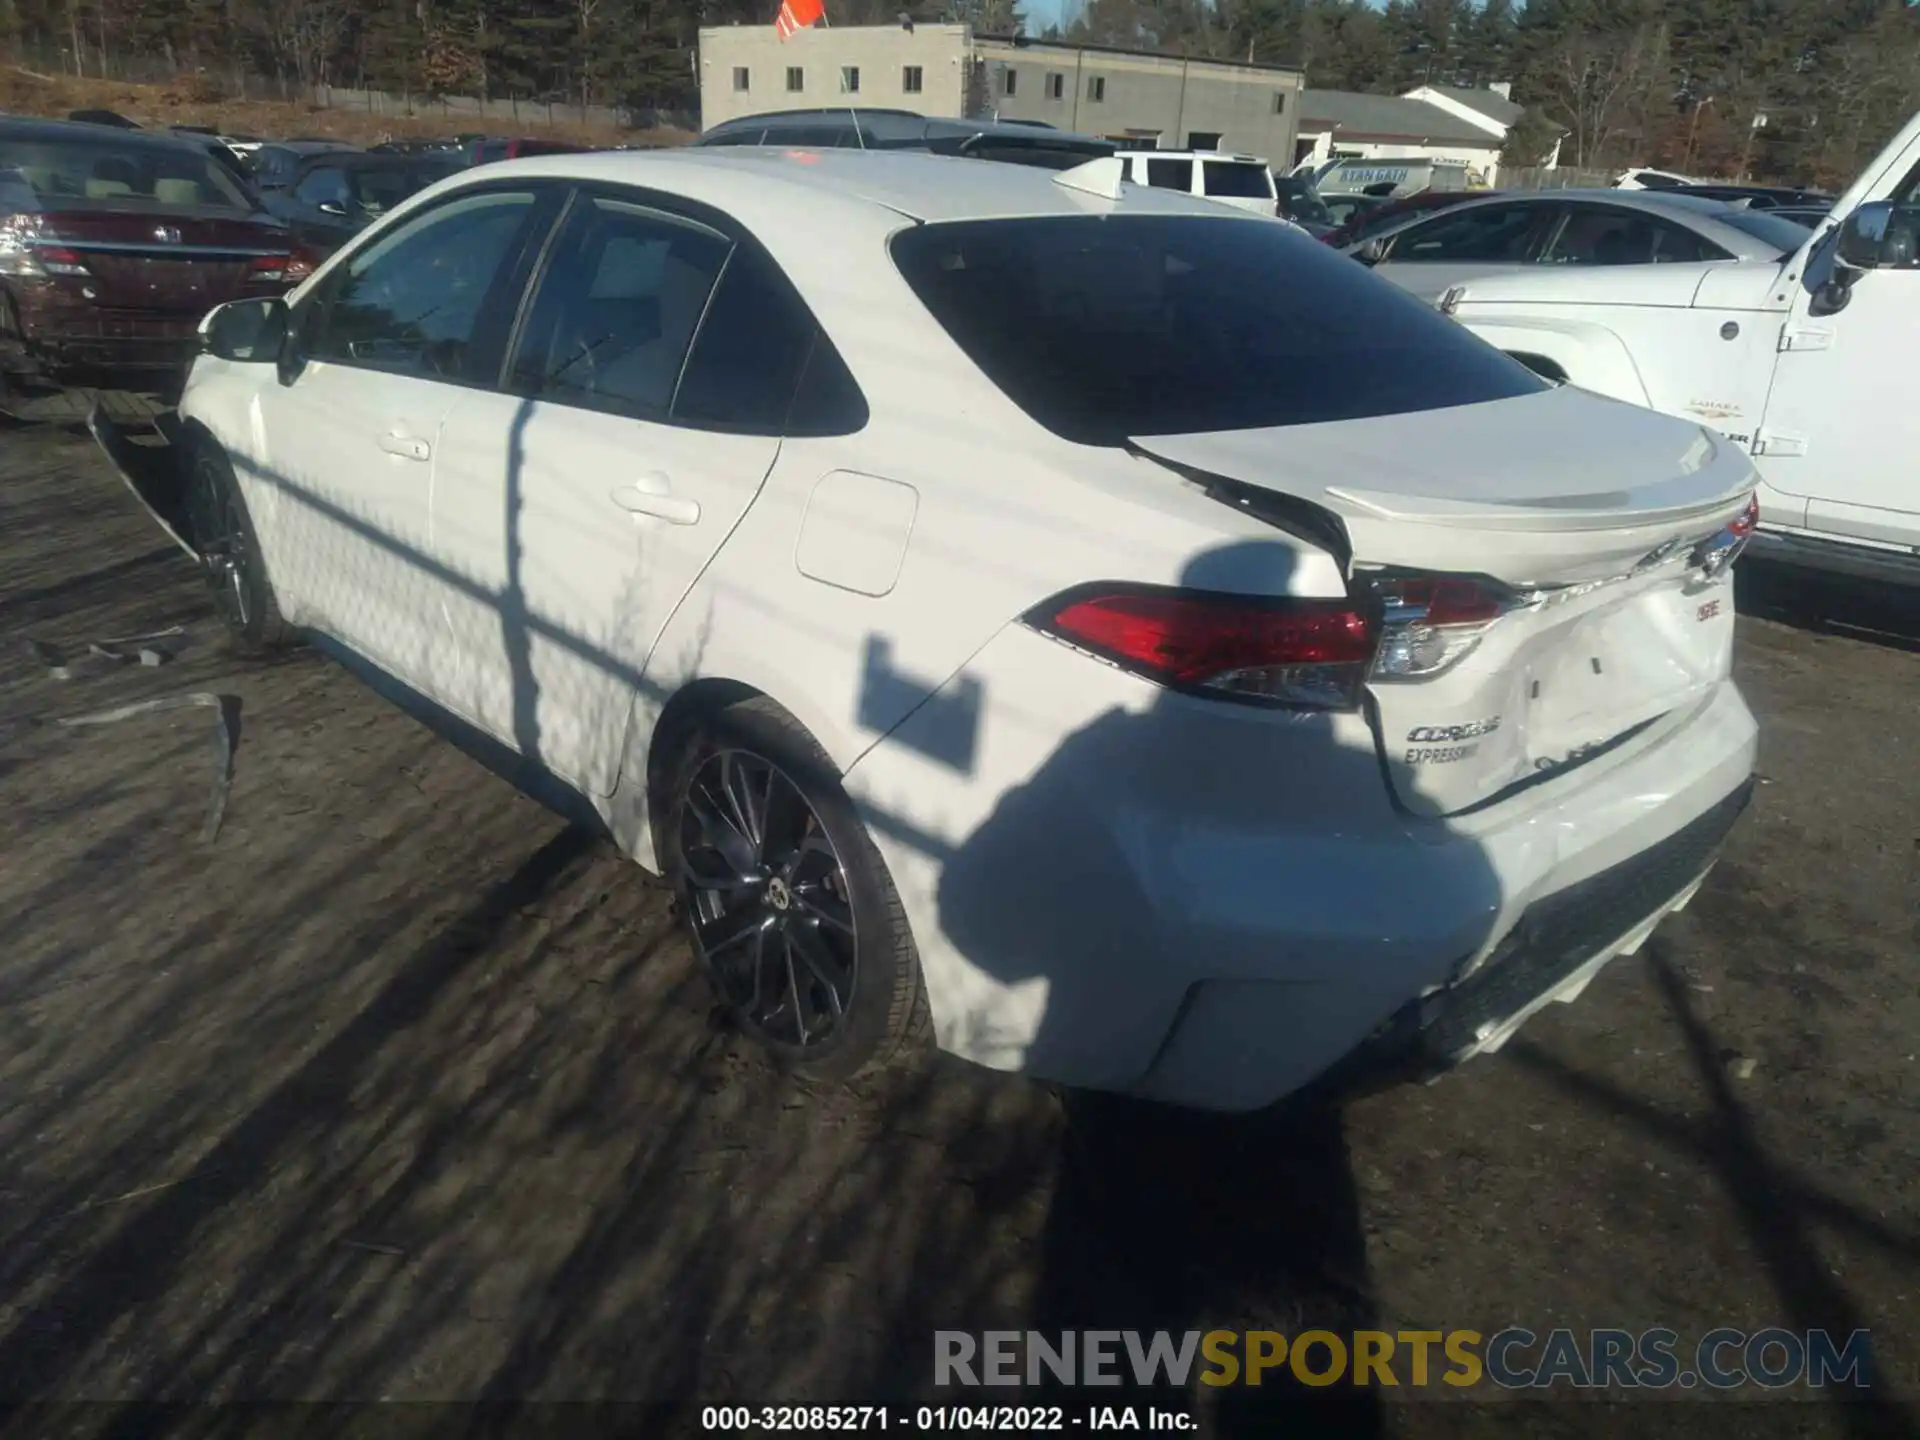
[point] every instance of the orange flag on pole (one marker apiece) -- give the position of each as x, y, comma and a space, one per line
797, 15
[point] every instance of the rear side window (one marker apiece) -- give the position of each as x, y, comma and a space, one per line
746, 362
1604, 235
1105, 328
1170, 175
1237, 182
617, 308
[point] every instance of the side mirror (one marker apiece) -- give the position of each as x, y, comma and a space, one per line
1875, 236
246, 331
1371, 252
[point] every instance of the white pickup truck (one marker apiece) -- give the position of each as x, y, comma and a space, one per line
1803, 363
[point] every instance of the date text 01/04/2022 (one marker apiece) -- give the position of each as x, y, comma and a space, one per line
932, 1419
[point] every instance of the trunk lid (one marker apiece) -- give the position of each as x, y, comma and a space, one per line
171, 261
1591, 520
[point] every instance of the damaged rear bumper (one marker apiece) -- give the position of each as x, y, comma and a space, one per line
153, 465
1558, 947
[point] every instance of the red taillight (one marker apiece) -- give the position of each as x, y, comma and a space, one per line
1311, 654
1431, 622
1743, 527
59, 260
282, 269
1447, 599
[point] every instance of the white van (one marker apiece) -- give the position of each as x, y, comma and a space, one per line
1391, 177
1242, 181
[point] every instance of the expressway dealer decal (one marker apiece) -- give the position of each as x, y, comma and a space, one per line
1445, 741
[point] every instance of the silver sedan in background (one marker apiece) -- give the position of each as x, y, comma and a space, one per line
1506, 233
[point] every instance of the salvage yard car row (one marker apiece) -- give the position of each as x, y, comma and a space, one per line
115, 241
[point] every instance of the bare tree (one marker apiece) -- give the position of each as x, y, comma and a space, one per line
1603, 79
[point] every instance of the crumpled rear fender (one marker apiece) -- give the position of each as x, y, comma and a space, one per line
154, 467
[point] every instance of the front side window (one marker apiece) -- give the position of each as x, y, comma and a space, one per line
617, 308
1490, 234
1102, 328
413, 302
321, 184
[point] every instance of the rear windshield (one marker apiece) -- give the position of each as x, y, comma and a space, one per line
1102, 328
1237, 181
1782, 233
58, 171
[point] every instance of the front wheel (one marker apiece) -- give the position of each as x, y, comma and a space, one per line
235, 570
786, 900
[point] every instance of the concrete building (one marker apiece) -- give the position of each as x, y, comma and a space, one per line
1431, 122
1167, 102
750, 70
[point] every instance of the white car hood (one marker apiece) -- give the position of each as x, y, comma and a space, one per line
1662, 285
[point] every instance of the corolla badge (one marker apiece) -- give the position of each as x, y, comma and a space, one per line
166, 234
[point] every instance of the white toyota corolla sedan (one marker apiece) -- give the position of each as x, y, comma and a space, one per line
1112, 631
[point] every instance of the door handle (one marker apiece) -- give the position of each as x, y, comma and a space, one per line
674, 509
405, 446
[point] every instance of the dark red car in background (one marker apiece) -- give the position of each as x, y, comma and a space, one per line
485, 152
113, 245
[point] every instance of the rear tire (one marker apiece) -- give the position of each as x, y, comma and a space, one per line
235, 570
786, 900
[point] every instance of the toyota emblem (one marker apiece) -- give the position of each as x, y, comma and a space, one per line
166, 234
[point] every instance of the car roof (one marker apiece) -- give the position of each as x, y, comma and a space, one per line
1230, 156
14, 127
762, 182
898, 127
1698, 213
381, 159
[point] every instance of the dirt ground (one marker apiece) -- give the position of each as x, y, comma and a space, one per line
401, 1089
196, 102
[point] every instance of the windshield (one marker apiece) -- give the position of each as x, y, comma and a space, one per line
152, 176
1106, 328
1770, 229
1237, 181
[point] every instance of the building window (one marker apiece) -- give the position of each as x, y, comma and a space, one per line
910, 79
1056, 85
849, 79
1096, 87
739, 77
1009, 80
1279, 102
1203, 140
796, 81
